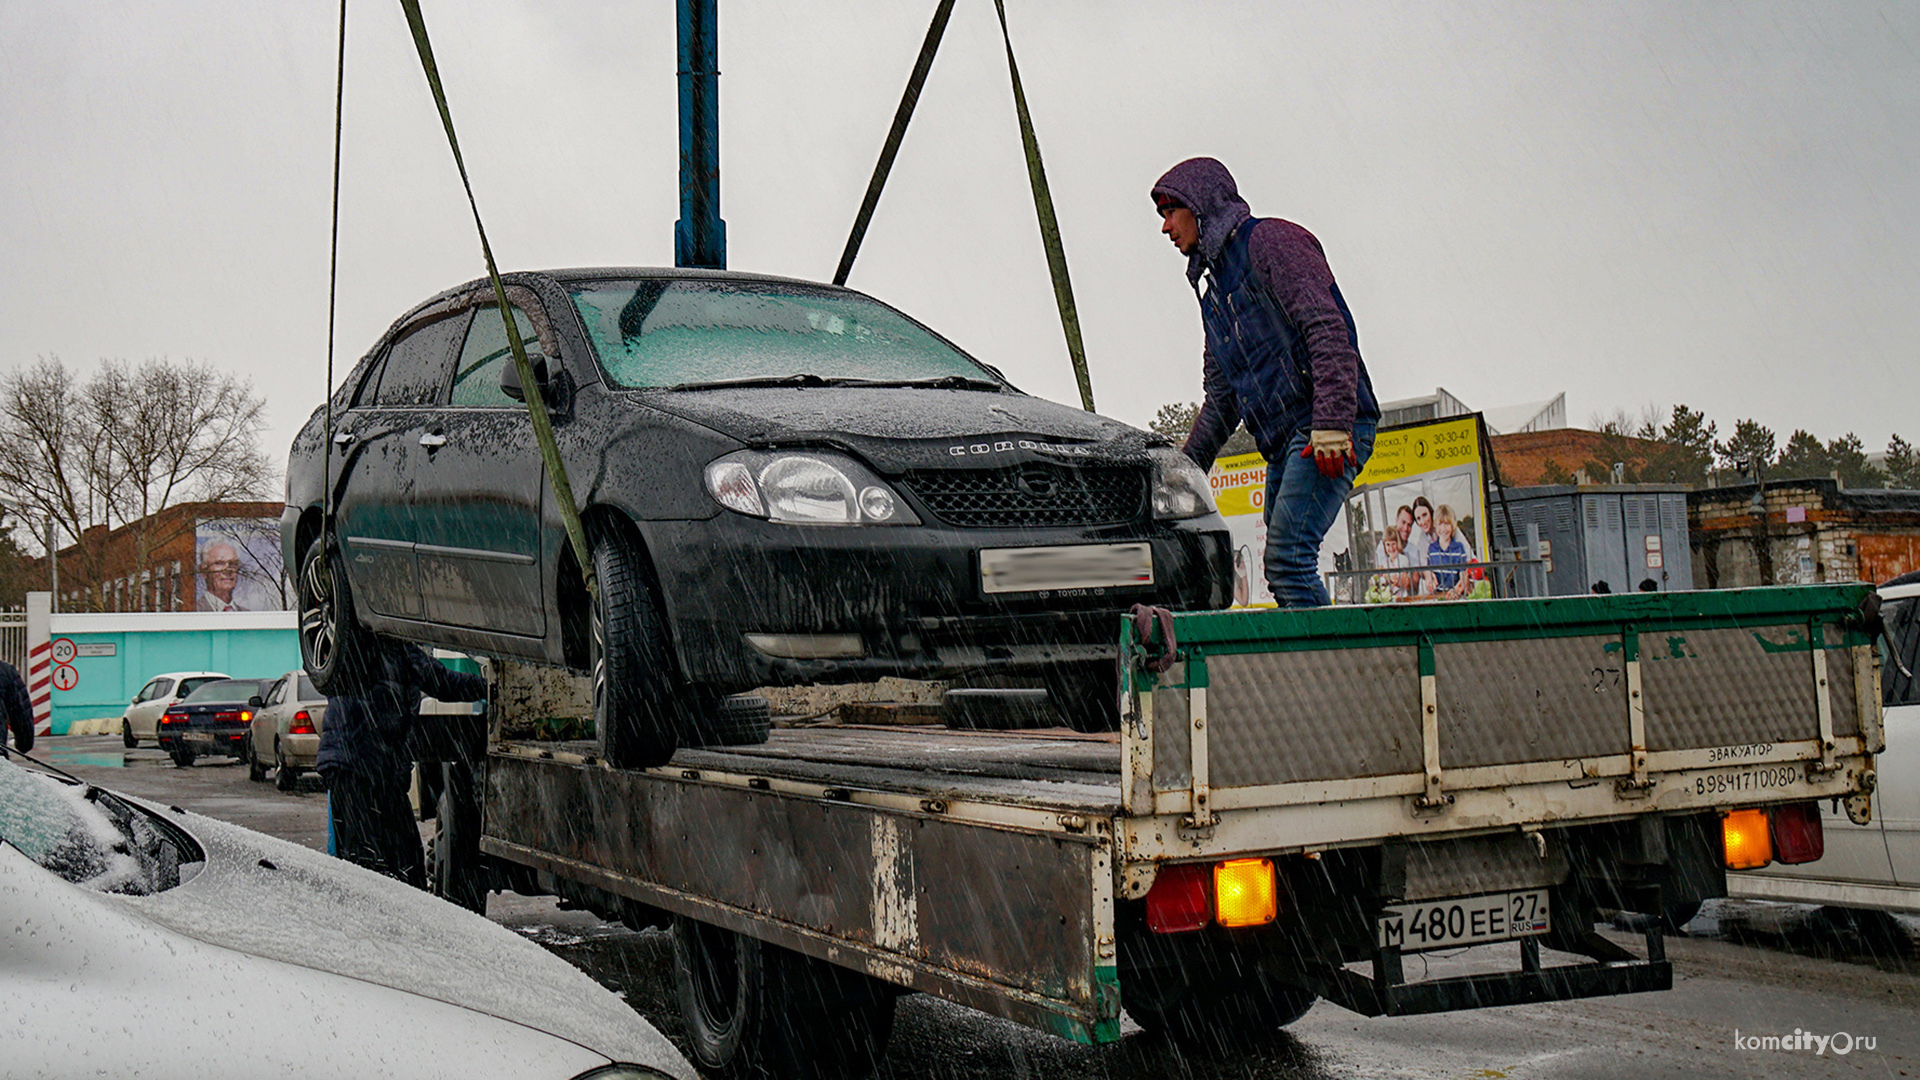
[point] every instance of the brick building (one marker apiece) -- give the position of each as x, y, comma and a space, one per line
155, 564
1811, 531
1523, 456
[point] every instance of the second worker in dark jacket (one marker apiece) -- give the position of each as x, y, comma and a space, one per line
363, 755
18, 707
1282, 355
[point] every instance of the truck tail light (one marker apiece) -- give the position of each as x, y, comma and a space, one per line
1747, 834
1178, 901
1245, 892
1797, 834
302, 724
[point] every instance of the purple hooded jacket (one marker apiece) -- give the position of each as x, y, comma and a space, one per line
1294, 268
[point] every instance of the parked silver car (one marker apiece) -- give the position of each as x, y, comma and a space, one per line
286, 730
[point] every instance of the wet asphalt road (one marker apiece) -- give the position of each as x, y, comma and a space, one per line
1758, 969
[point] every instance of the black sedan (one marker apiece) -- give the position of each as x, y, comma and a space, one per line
214, 719
782, 482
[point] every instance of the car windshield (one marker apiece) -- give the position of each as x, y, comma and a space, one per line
223, 690
691, 333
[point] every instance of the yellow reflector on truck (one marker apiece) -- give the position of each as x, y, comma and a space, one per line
1244, 892
1749, 845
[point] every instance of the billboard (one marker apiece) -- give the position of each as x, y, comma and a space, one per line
1240, 491
237, 565
1419, 507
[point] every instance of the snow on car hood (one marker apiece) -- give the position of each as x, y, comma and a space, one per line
898, 428
275, 899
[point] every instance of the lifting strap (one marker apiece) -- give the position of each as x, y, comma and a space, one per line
333, 293
891, 148
536, 403
1036, 175
1049, 226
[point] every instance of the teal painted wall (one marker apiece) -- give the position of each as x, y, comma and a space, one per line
107, 683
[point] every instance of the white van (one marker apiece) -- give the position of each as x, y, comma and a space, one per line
1874, 866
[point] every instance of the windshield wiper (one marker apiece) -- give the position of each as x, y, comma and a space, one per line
798, 378
941, 382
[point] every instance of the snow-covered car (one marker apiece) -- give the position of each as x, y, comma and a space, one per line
142, 717
286, 730
149, 941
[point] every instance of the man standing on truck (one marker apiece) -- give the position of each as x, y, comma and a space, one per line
363, 756
1281, 354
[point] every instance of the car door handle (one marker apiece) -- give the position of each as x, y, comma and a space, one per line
343, 438
433, 440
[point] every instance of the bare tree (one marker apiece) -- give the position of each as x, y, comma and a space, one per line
129, 443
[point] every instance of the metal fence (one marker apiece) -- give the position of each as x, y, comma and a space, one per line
13, 637
1506, 578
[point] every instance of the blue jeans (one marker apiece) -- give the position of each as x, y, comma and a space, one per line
1301, 506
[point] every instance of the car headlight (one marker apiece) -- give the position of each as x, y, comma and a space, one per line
1180, 489
805, 488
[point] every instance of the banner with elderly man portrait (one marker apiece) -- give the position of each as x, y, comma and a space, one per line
237, 565
1418, 508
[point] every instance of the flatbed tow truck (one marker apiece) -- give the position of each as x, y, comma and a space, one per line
1295, 802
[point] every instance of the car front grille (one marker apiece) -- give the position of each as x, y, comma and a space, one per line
1037, 493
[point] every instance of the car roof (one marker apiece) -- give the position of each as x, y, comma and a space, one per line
177, 675
565, 275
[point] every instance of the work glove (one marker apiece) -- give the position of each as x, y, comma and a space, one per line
1331, 451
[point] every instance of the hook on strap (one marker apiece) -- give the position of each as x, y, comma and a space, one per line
1145, 619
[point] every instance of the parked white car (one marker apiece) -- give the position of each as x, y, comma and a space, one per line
286, 730
149, 941
140, 723
1874, 866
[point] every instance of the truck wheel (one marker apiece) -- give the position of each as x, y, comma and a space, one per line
741, 720
637, 702
126, 735
1087, 696
334, 647
1231, 1016
757, 1012
454, 858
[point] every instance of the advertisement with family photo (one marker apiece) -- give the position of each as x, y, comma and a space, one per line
1419, 508
237, 565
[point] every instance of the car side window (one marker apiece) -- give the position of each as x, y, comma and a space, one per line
476, 378
276, 692
156, 688
1900, 650
415, 370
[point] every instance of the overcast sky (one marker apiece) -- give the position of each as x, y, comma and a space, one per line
1637, 203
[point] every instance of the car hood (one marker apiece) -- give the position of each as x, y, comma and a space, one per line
900, 428
273, 899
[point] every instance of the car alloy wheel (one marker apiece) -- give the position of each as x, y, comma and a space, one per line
637, 701
333, 645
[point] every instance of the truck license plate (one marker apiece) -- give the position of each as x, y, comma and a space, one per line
1082, 566
1470, 920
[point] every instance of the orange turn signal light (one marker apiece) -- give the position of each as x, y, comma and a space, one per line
1245, 892
1748, 837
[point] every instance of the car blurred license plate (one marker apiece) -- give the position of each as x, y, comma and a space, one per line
1082, 566
1471, 920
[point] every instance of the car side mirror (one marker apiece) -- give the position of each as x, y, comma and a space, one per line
255, 703
510, 377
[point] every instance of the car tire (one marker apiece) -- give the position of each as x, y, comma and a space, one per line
458, 870
126, 734
754, 1010
285, 776
1087, 696
256, 772
182, 758
741, 720
334, 647
638, 701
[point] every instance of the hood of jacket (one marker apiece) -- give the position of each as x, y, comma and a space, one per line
1204, 186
